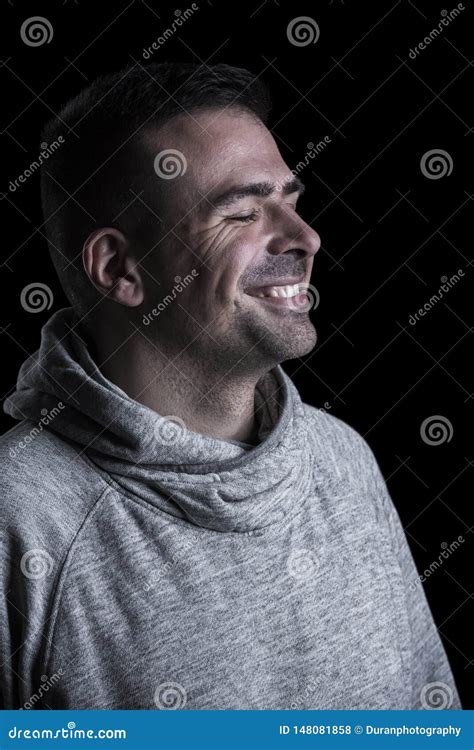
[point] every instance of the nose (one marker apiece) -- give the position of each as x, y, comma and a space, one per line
291, 232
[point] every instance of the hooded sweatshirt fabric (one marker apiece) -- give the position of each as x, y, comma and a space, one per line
146, 566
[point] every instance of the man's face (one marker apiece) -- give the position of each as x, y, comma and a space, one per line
239, 250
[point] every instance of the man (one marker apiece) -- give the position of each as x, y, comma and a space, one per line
180, 530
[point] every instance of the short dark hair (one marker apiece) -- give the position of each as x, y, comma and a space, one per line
89, 182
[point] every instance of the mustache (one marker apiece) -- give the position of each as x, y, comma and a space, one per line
259, 275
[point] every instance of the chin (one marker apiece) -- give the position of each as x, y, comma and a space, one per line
272, 339
293, 346
302, 348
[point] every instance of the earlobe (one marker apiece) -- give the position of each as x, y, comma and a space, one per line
111, 266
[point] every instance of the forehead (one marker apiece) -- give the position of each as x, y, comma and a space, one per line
220, 147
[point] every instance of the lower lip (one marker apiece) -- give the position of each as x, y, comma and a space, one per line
294, 303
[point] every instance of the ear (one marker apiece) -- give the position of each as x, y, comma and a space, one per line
110, 264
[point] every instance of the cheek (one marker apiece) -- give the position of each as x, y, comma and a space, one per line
223, 258
215, 292
228, 275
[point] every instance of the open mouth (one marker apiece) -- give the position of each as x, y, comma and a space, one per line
292, 296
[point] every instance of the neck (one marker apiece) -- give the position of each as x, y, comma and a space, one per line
209, 400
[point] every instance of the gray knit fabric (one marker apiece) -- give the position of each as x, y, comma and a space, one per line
145, 566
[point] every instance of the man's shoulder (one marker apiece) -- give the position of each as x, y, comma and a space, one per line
341, 451
331, 430
44, 482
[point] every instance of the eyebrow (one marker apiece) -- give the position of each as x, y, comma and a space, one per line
258, 189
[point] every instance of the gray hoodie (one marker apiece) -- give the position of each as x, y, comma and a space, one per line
145, 566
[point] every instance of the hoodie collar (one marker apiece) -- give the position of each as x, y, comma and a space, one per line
218, 484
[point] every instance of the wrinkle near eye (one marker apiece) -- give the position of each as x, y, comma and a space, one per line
212, 239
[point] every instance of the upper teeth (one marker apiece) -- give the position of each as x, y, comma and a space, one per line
290, 290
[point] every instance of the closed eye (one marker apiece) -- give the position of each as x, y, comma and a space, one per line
248, 218
245, 218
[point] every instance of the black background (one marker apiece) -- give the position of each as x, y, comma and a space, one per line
388, 232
